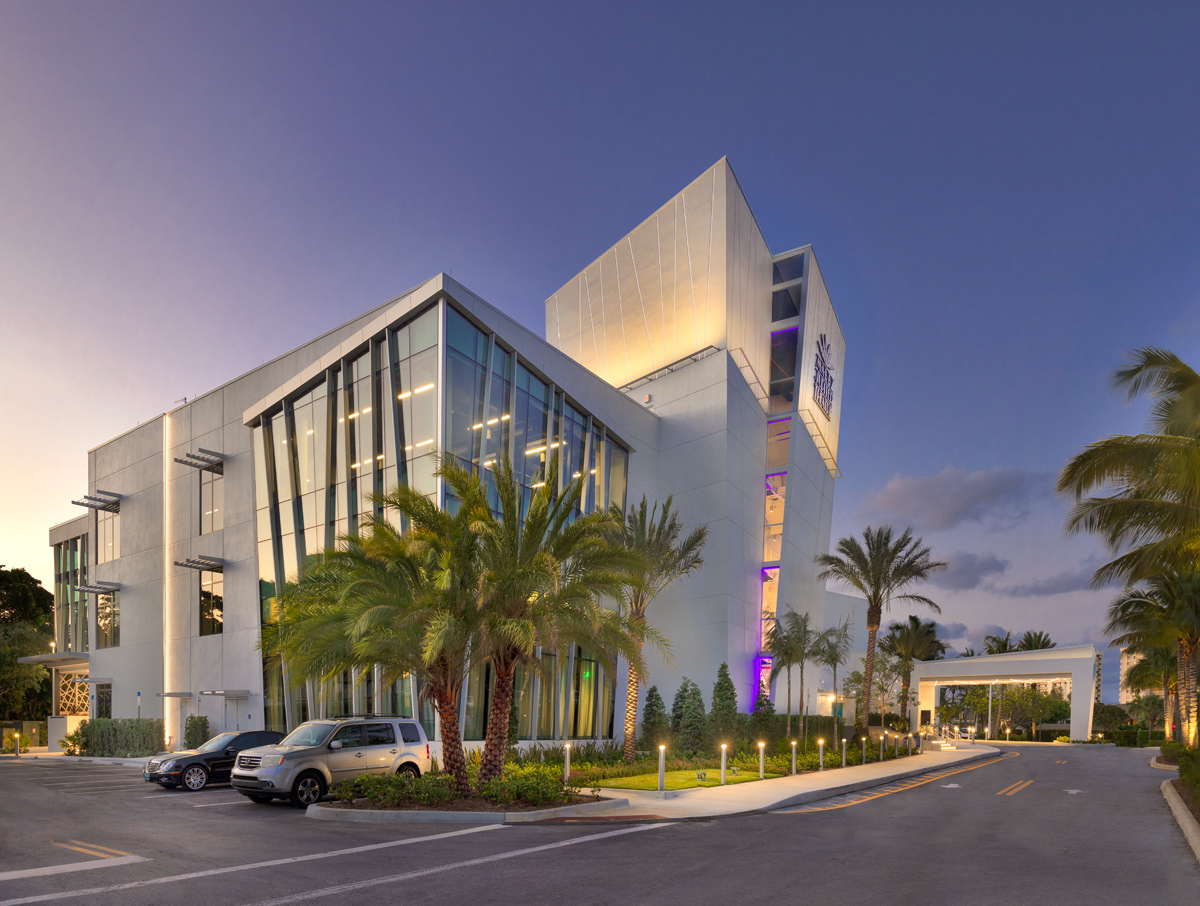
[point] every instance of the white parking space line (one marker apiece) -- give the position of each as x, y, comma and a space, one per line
466, 863
219, 804
72, 866
290, 860
86, 782
119, 789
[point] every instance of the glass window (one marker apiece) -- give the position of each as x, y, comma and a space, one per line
104, 699
618, 466
583, 695
397, 698
274, 714
770, 595
789, 269
787, 303
380, 735
410, 733
783, 369
532, 430
548, 697
773, 535
310, 414
478, 701
497, 426
108, 619
212, 501
466, 358
108, 536
212, 608
573, 437
416, 380
779, 434
350, 736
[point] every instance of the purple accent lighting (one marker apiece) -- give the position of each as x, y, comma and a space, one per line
776, 333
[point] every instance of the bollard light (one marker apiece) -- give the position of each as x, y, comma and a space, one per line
723, 754
1008, 734
793, 758
843, 751
864, 744
567, 763
882, 743
821, 754
662, 769
762, 767
896, 743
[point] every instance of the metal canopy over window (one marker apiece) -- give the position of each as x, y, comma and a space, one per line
99, 588
208, 460
101, 500
208, 564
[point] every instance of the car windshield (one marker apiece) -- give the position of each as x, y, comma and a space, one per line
307, 735
217, 743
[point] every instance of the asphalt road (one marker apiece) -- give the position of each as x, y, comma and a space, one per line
1007, 832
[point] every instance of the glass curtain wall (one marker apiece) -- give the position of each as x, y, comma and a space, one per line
70, 605
783, 370
212, 501
415, 381
108, 619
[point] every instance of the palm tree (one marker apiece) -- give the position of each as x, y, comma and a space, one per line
1000, 644
969, 651
834, 648
908, 642
1148, 708
406, 602
880, 569
1157, 670
1151, 510
542, 573
655, 534
1164, 611
1035, 641
791, 641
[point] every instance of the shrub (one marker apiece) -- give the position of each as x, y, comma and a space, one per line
195, 731
1126, 737
724, 720
116, 738
76, 743
762, 718
533, 785
1062, 738
431, 790
693, 726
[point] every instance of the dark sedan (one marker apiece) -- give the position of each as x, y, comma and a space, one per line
211, 763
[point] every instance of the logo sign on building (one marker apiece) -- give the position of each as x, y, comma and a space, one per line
823, 377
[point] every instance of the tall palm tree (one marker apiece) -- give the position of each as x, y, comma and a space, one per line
406, 602
834, 648
1000, 644
1141, 493
656, 535
913, 640
1165, 610
1147, 707
880, 568
542, 574
1035, 641
791, 641
1157, 670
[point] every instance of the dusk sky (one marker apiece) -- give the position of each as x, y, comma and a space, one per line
1003, 199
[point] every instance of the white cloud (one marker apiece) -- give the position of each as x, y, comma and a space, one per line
997, 498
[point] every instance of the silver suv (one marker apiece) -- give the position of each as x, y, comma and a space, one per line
320, 754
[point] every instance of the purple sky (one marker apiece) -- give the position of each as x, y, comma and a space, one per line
1003, 200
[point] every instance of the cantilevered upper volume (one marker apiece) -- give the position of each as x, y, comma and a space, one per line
696, 273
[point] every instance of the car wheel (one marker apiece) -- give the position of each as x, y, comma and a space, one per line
261, 800
408, 769
195, 778
308, 790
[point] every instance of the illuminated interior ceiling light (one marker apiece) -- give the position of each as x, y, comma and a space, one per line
310, 430
593, 471
576, 475
540, 484
405, 395
553, 445
353, 415
533, 450
365, 411
341, 419
380, 456
476, 427
425, 443
504, 418
423, 389
492, 421
490, 462
354, 465
409, 447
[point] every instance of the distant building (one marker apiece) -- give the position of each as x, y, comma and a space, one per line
1099, 676
1128, 659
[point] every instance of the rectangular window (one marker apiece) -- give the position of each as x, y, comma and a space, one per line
773, 534
212, 501
783, 369
212, 608
108, 536
618, 466
108, 619
104, 699
788, 269
787, 303
770, 597
380, 735
779, 433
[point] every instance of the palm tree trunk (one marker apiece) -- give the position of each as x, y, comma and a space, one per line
631, 703
904, 686
496, 739
1187, 691
863, 721
789, 702
453, 760
803, 721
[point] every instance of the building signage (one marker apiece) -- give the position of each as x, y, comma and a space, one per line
823, 377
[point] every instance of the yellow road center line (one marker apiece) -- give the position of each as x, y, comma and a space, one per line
107, 849
89, 852
1007, 788
1019, 788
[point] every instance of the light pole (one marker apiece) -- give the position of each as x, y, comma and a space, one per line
821, 754
864, 744
723, 754
662, 769
567, 763
843, 751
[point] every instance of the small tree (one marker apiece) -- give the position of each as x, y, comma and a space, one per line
656, 728
678, 703
762, 719
693, 725
723, 719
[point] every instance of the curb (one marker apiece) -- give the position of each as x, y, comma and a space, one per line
1162, 767
1187, 824
81, 759
328, 813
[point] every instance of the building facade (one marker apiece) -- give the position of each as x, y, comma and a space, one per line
686, 361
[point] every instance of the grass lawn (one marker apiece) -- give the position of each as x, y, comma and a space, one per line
680, 780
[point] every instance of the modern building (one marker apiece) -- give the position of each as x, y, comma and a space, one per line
1128, 659
687, 360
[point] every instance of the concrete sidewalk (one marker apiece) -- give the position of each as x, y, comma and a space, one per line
765, 795
80, 759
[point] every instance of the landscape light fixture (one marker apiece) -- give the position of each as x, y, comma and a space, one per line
724, 753
662, 769
793, 758
821, 754
566, 762
761, 762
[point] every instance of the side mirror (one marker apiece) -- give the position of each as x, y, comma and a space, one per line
336, 744
230, 750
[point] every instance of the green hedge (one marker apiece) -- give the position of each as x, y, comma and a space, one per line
195, 731
131, 737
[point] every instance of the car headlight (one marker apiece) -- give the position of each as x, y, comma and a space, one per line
270, 761
167, 766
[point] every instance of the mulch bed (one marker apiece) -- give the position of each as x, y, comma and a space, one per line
473, 804
1189, 797
1163, 759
